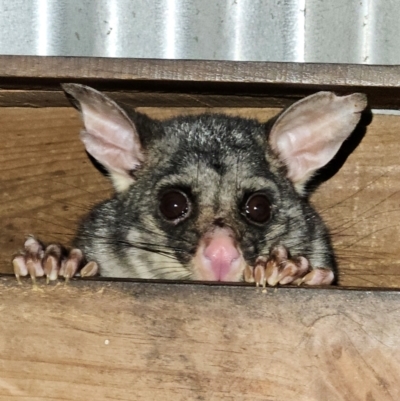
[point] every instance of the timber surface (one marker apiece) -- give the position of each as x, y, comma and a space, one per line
47, 184
34, 81
129, 341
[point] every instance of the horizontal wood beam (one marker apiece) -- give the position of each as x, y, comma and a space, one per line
127, 69
137, 341
26, 81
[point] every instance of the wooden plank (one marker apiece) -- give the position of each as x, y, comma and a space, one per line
131, 341
47, 184
199, 71
190, 83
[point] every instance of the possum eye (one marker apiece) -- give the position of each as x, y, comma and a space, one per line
174, 204
258, 208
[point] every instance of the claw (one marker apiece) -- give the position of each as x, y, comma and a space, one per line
276, 263
52, 262
320, 276
72, 264
272, 273
51, 267
34, 267
248, 274
259, 271
90, 270
19, 267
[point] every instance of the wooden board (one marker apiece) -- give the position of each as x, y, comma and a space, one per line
128, 69
47, 184
34, 81
127, 341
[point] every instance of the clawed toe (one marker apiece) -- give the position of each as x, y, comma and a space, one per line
280, 268
320, 276
19, 267
52, 260
90, 270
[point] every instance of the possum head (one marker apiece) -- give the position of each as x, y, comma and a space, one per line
200, 197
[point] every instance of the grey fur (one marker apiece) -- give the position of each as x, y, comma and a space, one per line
218, 160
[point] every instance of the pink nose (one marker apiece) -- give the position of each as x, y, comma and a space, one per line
221, 255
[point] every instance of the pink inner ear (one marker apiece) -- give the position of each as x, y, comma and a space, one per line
310, 132
306, 151
110, 137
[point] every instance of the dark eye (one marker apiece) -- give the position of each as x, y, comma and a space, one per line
174, 204
258, 208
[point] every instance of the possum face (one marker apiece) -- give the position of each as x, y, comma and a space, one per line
201, 197
214, 196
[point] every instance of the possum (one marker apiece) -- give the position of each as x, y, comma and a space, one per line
206, 197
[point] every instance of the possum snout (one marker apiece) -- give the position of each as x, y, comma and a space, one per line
218, 257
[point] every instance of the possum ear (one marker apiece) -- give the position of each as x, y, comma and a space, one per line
308, 134
109, 135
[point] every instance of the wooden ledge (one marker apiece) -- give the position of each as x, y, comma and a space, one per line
8, 280
26, 81
139, 341
127, 69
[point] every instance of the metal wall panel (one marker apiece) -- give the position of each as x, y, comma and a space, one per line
383, 38
335, 31
340, 31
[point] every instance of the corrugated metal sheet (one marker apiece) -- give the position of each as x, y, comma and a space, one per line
339, 31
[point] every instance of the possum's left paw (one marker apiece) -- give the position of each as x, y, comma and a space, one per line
280, 268
52, 261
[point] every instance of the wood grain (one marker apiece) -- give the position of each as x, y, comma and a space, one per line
47, 184
130, 341
199, 70
35, 81
362, 204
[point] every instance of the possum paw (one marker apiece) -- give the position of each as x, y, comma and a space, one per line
280, 268
52, 261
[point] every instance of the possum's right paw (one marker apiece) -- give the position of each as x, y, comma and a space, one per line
52, 261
